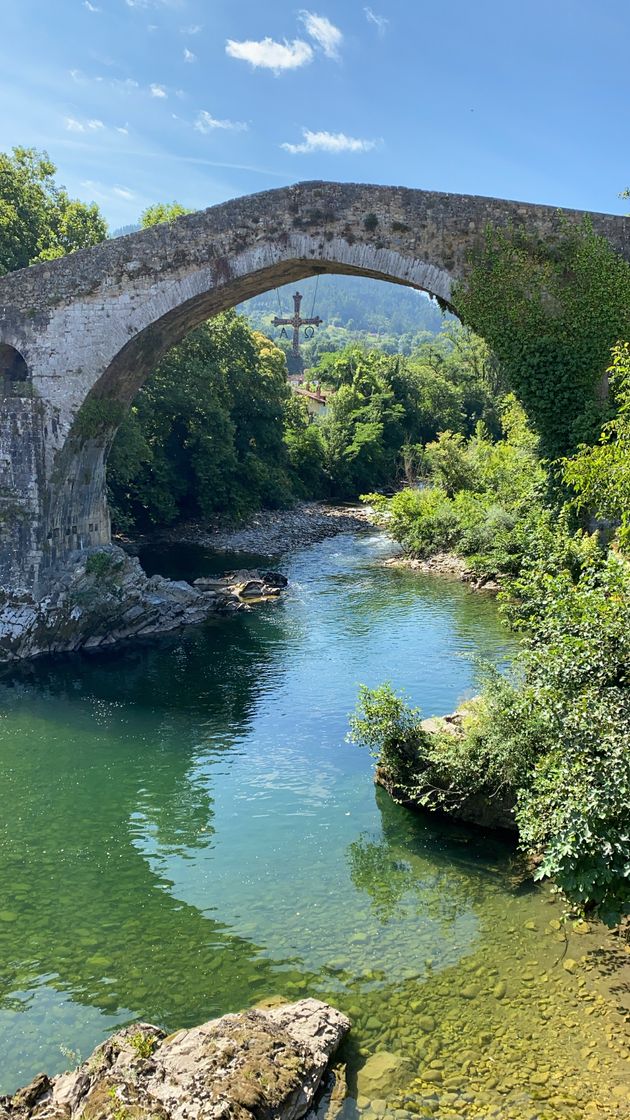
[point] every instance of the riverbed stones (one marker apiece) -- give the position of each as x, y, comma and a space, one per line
256, 1063
273, 532
382, 1073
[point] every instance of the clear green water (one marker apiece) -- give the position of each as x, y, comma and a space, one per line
184, 832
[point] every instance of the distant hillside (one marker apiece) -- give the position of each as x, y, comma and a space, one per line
354, 302
354, 308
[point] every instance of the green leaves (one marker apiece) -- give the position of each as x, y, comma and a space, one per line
206, 434
38, 220
551, 313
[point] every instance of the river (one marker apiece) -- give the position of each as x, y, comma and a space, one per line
185, 832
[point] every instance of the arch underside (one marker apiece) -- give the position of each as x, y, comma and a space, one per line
134, 362
77, 515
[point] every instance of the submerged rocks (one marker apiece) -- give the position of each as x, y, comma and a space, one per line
382, 1073
257, 1063
447, 564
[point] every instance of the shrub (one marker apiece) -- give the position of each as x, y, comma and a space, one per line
553, 737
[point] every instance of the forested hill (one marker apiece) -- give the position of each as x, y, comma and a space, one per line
388, 315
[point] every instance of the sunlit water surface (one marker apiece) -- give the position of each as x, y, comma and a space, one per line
185, 832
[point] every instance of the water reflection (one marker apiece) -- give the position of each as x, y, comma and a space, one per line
185, 831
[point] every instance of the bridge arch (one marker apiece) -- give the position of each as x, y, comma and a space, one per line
92, 325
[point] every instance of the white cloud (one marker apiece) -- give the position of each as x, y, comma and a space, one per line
271, 55
124, 129
207, 123
192, 29
103, 193
189, 56
74, 125
157, 91
379, 21
325, 34
328, 142
90, 7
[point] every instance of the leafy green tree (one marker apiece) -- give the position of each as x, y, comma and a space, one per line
38, 219
551, 311
205, 434
162, 212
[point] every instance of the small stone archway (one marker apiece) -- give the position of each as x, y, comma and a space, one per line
15, 379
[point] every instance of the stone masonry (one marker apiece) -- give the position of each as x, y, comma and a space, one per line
91, 326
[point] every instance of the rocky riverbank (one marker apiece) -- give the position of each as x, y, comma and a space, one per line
273, 532
449, 565
261, 1063
105, 597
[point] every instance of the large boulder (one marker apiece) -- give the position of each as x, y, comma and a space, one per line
262, 1063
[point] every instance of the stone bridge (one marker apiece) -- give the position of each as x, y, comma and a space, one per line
79, 335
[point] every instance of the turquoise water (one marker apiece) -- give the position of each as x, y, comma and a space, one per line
185, 832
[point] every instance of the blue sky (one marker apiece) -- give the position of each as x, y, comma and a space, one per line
139, 101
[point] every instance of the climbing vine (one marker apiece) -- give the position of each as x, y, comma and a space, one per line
551, 309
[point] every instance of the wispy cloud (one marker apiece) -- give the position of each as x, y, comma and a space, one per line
323, 32
205, 122
74, 125
123, 129
270, 55
380, 22
328, 142
90, 7
102, 193
126, 85
191, 29
157, 91
143, 4
189, 56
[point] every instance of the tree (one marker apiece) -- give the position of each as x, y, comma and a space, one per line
38, 220
205, 433
162, 212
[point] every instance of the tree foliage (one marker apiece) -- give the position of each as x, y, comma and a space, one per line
38, 219
551, 310
162, 212
552, 740
206, 433
600, 475
481, 498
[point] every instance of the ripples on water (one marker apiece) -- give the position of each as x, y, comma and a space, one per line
184, 832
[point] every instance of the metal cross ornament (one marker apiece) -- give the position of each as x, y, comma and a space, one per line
296, 322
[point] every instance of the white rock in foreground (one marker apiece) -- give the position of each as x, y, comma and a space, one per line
262, 1062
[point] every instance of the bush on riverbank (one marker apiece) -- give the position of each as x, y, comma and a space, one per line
553, 738
481, 499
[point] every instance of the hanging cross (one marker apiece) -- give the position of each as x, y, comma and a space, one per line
296, 322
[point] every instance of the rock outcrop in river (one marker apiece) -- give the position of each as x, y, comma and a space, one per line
105, 597
260, 1063
492, 810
